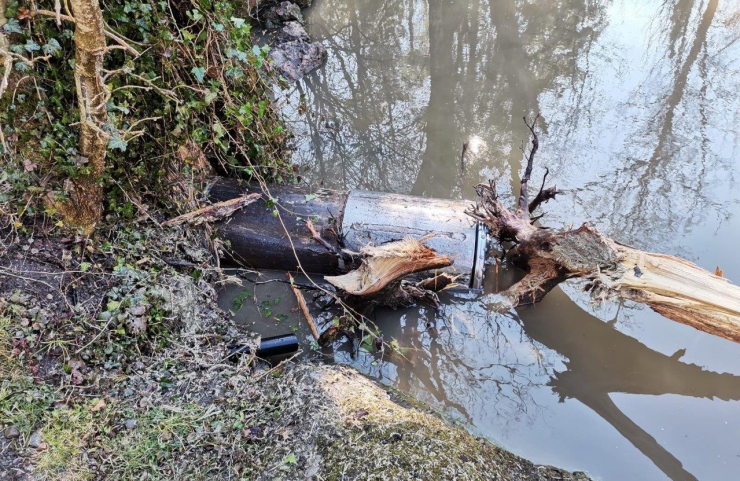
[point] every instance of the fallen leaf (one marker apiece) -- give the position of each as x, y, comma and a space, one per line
29, 166
98, 406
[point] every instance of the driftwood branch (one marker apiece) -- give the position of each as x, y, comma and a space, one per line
219, 210
673, 287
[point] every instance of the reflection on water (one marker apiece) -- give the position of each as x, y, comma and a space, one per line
640, 110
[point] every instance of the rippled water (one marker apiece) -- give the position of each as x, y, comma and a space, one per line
641, 109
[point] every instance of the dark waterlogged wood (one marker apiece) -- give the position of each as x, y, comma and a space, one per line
257, 238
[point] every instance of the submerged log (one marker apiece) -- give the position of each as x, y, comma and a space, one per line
671, 286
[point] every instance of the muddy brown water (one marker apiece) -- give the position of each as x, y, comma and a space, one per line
641, 113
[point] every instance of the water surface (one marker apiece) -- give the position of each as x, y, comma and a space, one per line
640, 111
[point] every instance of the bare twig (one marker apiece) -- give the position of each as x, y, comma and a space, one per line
543, 195
317, 237
111, 35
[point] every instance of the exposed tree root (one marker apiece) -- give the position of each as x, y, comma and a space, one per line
673, 287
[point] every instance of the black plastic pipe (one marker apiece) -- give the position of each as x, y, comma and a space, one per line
269, 346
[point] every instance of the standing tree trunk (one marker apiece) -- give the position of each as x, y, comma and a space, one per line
85, 205
5, 59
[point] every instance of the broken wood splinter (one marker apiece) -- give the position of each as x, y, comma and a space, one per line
303, 307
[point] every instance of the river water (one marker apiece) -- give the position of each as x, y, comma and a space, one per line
640, 129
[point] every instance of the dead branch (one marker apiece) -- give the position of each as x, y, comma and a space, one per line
219, 210
523, 209
673, 287
304, 308
543, 195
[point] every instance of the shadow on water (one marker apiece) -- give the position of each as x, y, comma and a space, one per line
602, 360
597, 361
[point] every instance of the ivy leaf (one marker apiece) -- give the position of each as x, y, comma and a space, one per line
12, 26
31, 46
238, 22
256, 51
219, 129
116, 142
52, 46
199, 73
210, 97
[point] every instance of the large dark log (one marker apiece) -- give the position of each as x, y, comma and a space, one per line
315, 219
258, 239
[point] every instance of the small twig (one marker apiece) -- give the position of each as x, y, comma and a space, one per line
304, 308
326, 244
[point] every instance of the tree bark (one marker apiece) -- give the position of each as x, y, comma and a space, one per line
673, 287
85, 205
5, 59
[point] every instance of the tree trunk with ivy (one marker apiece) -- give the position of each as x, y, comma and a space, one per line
5, 60
85, 204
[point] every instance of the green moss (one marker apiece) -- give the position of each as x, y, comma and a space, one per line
68, 435
23, 402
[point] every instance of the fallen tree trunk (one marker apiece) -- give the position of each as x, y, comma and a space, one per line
325, 229
673, 287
